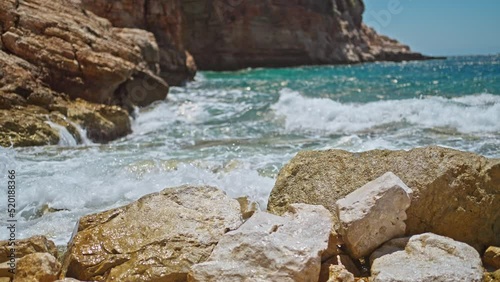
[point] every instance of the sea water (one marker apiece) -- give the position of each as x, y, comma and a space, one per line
236, 130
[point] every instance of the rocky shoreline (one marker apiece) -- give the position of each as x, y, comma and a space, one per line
332, 216
62, 64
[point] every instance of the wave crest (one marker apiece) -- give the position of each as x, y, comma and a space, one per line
470, 114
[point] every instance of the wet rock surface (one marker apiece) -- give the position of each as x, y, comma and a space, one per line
35, 260
35, 244
157, 238
37, 267
54, 52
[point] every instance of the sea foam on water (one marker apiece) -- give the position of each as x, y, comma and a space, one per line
236, 130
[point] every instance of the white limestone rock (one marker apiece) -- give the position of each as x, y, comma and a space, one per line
270, 248
373, 214
426, 257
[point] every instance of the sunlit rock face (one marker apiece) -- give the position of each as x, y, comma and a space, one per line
54, 52
455, 194
157, 238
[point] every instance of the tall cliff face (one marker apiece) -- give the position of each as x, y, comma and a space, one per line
161, 17
254, 33
234, 34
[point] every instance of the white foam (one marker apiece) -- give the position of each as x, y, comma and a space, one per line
7, 161
84, 140
65, 138
89, 180
210, 106
153, 118
479, 113
196, 137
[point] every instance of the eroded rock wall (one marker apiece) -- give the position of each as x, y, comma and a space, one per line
237, 34
53, 52
161, 17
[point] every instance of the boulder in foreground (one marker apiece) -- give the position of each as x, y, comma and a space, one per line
270, 248
37, 267
455, 194
426, 257
157, 238
373, 214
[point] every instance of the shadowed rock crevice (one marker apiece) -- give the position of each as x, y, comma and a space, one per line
161, 17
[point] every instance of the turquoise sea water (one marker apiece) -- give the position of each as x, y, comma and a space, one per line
235, 130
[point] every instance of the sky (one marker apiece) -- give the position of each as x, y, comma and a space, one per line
439, 27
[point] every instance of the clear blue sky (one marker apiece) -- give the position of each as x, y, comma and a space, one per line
439, 27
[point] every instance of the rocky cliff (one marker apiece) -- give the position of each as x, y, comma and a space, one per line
161, 17
253, 33
54, 52
62, 64
235, 34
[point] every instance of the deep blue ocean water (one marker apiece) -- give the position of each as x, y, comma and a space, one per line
235, 130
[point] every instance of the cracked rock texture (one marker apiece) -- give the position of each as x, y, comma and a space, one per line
53, 52
157, 238
455, 194
161, 17
35, 244
270, 248
77, 52
36, 259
